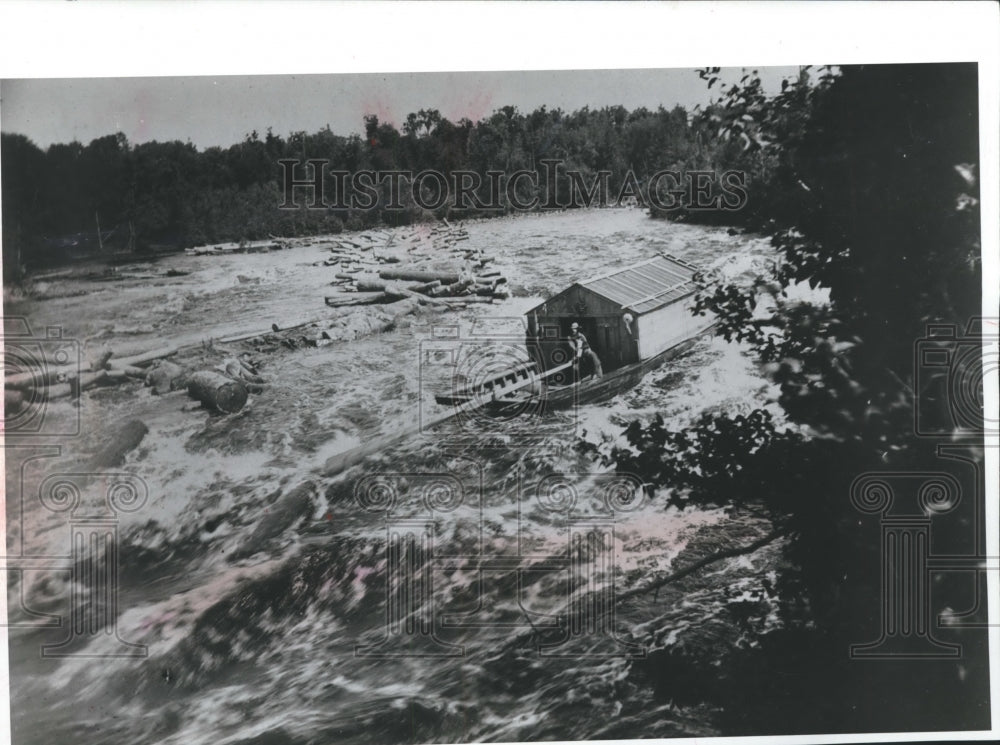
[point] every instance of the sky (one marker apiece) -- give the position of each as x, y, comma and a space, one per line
210, 111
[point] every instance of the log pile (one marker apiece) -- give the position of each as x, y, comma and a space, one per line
386, 266
243, 247
224, 389
390, 272
381, 266
48, 382
217, 391
413, 244
445, 288
347, 325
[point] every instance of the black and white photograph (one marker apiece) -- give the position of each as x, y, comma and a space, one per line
448, 401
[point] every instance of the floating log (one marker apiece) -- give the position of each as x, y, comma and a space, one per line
419, 275
320, 341
61, 390
368, 285
74, 384
218, 392
101, 362
123, 442
41, 377
455, 288
247, 367
166, 377
425, 287
237, 369
474, 299
141, 359
356, 298
101, 377
274, 328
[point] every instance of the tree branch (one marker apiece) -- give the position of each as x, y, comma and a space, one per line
681, 573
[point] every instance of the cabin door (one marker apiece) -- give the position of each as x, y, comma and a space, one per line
610, 346
602, 336
611, 353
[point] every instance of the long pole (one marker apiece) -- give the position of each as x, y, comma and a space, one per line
340, 462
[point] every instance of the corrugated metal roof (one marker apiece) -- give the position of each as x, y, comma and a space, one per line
647, 285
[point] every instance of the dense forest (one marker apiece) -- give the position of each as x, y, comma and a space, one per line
162, 195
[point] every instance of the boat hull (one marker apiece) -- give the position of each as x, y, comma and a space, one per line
588, 391
608, 386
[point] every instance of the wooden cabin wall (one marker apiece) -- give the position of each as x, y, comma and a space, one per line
663, 328
601, 321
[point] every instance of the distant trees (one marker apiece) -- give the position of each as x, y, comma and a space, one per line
170, 193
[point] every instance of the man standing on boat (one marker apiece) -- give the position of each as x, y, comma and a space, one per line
581, 349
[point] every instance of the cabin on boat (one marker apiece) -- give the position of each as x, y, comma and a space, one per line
629, 315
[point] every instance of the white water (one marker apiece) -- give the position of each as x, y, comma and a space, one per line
265, 646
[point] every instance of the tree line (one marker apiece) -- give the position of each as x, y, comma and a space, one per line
153, 195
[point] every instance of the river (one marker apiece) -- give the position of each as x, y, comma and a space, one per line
260, 592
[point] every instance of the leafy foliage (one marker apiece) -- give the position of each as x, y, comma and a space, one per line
866, 183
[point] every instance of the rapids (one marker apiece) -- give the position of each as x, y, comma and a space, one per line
262, 591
